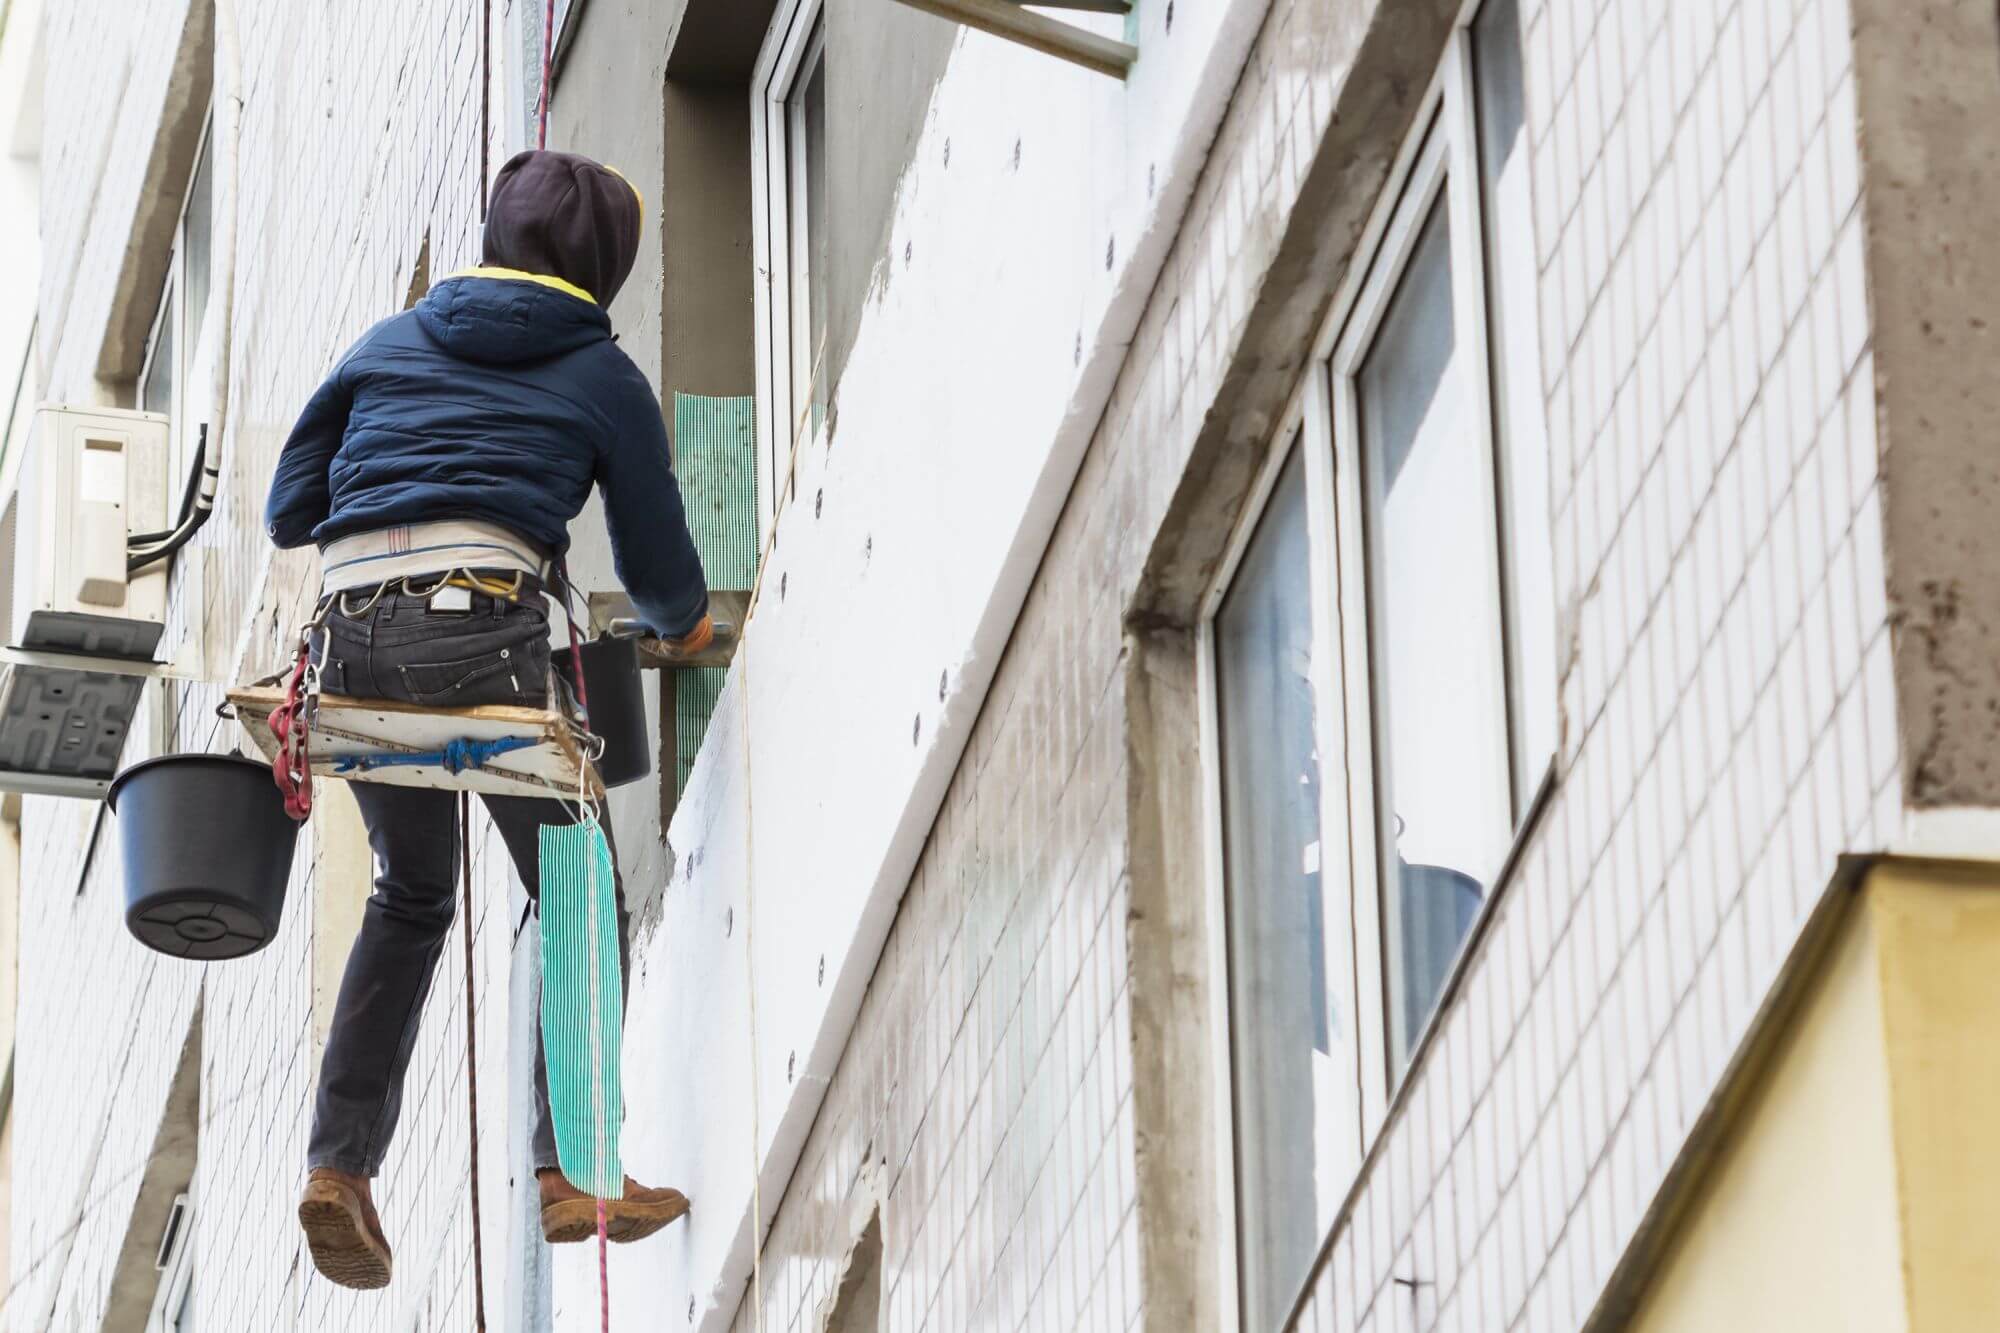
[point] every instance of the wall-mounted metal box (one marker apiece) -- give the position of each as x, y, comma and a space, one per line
94, 477
84, 634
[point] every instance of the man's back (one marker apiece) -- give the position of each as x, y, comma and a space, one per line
491, 399
500, 397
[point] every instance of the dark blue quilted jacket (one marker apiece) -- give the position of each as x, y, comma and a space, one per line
500, 398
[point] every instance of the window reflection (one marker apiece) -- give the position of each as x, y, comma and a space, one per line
1522, 431
1440, 679
196, 231
811, 239
1446, 452
1293, 1162
156, 393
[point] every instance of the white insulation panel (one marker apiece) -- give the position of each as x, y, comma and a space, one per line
887, 600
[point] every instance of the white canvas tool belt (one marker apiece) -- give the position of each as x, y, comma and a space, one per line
370, 559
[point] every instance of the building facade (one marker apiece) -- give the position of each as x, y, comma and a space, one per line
1365, 689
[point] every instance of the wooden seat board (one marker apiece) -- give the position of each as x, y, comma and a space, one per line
347, 728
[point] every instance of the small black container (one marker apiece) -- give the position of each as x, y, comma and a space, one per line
617, 707
208, 850
1439, 907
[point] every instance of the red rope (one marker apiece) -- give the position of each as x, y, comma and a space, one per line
548, 61
575, 651
471, 1065
292, 769
603, 1268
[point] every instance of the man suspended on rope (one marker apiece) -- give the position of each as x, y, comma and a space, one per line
437, 469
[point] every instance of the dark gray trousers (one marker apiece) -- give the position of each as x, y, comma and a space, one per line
494, 653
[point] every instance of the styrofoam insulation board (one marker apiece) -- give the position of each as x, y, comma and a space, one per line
944, 480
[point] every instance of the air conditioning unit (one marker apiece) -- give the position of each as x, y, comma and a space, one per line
94, 477
84, 633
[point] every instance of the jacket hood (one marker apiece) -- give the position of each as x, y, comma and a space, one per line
499, 317
563, 214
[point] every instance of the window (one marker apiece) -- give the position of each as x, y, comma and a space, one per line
1447, 570
1510, 274
173, 1297
158, 381
544, 31
174, 379
1433, 612
1291, 981
1379, 666
563, 19
793, 244
173, 375
805, 151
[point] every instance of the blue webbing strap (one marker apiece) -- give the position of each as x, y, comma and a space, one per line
456, 756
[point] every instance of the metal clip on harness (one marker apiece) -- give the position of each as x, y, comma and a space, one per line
291, 724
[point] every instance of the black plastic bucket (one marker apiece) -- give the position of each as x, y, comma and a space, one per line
617, 708
208, 850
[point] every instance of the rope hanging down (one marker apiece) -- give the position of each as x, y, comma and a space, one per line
294, 777
460, 754
471, 1065
548, 62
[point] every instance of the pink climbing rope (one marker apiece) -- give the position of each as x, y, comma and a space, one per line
548, 60
577, 655
603, 1267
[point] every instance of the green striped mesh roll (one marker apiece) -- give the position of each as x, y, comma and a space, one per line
583, 1016
715, 457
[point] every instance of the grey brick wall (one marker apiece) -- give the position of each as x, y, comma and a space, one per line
1727, 704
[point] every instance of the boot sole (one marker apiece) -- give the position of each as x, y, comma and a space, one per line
575, 1220
341, 1247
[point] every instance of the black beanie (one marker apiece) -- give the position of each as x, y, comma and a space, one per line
567, 216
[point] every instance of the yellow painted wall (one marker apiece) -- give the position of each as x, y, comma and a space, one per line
1939, 940
1796, 1227
1859, 1184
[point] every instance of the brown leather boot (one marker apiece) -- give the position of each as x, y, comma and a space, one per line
569, 1215
343, 1231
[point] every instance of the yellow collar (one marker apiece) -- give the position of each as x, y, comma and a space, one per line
518, 275
635, 190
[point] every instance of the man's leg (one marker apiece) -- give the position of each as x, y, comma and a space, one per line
388, 976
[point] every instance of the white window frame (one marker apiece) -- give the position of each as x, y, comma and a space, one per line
169, 298
1441, 149
1442, 155
1439, 154
176, 1269
189, 391
568, 18
795, 41
192, 360
1304, 428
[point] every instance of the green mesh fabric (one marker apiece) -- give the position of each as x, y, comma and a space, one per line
715, 458
583, 1015
695, 693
